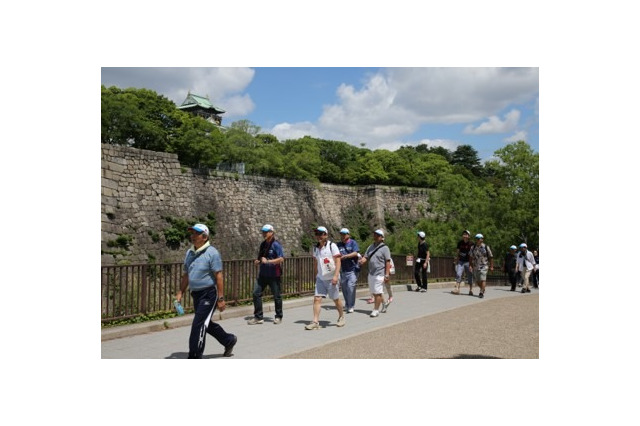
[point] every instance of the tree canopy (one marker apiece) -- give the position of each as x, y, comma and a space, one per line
498, 198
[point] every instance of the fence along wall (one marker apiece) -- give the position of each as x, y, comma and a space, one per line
140, 188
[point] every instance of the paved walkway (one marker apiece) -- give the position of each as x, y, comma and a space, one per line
436, 324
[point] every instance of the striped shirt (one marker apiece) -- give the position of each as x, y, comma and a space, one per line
201, 265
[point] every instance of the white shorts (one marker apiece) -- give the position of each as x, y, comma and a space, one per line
376, 283
324, 288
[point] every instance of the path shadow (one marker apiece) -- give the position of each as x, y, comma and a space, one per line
185, 355
474, 356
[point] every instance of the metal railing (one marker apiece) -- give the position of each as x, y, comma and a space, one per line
129, 291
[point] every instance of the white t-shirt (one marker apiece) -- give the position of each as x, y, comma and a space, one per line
326, 259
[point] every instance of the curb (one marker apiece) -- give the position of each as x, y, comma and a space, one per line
232, 312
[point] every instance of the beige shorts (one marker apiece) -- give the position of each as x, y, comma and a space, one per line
480, 274
376, 284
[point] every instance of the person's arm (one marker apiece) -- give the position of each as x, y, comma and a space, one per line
184, 283
428, 258
387, 269
336, 274
220, 285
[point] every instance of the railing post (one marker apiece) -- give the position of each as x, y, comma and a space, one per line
143, 290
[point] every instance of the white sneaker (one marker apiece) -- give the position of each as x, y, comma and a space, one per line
341, 322
350, 310
374, 313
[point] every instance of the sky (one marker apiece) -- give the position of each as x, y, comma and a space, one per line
382, 108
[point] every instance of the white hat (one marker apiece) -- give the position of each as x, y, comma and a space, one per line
523, 245
421, 234
513, 247
479, 236
379, 232
322, 229
267, 228
344, 231
199, 227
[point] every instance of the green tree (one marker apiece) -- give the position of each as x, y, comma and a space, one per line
467, 157
138, 117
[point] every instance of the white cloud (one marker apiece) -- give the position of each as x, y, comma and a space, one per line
395, 102
284, 131
495, 125
518, 136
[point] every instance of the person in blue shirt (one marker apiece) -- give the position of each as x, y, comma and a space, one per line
270, 258
203, 275
349, 268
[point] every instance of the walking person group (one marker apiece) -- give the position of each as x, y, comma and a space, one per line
337, 266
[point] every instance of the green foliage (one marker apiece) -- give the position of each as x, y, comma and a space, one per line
122, 241
178, 231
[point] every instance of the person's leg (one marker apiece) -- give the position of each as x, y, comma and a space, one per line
348, 289
424, 278
203, 306
274, 284
416, 273
258, 289
317, 302
459, 271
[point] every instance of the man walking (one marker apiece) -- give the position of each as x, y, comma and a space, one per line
462, 262
510, 261
481, 261
326, 260
422, 261
270, 258
379, 258
526, 265
349, 268
203, 276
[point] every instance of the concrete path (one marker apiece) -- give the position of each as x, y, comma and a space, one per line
436, 324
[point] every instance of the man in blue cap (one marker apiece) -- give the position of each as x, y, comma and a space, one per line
203, 276
270, 258
349, 268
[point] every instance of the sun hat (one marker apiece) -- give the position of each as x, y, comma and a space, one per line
199, 227
321, 229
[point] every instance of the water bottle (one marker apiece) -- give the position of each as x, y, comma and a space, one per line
178, 306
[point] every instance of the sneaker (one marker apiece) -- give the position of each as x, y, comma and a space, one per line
370, 301
374, 313
277, 320
385, 305
528, 290
470, 293
341, 322
390, 299
254, 321
481, 295
455, 291
523, 291
312, 326
229, 348
350, 310
423, 290
417, 289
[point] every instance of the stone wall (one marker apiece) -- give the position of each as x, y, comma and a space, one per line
141, 188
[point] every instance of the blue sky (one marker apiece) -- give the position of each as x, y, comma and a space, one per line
383, 108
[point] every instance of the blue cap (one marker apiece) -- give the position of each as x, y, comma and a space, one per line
479, 236
344, 231
267, 228
523, 245
322, 229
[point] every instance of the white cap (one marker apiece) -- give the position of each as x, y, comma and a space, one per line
379, 232
479, 236
344, 231
523, 245
267, 228
421, 234
322, 229
199, 227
